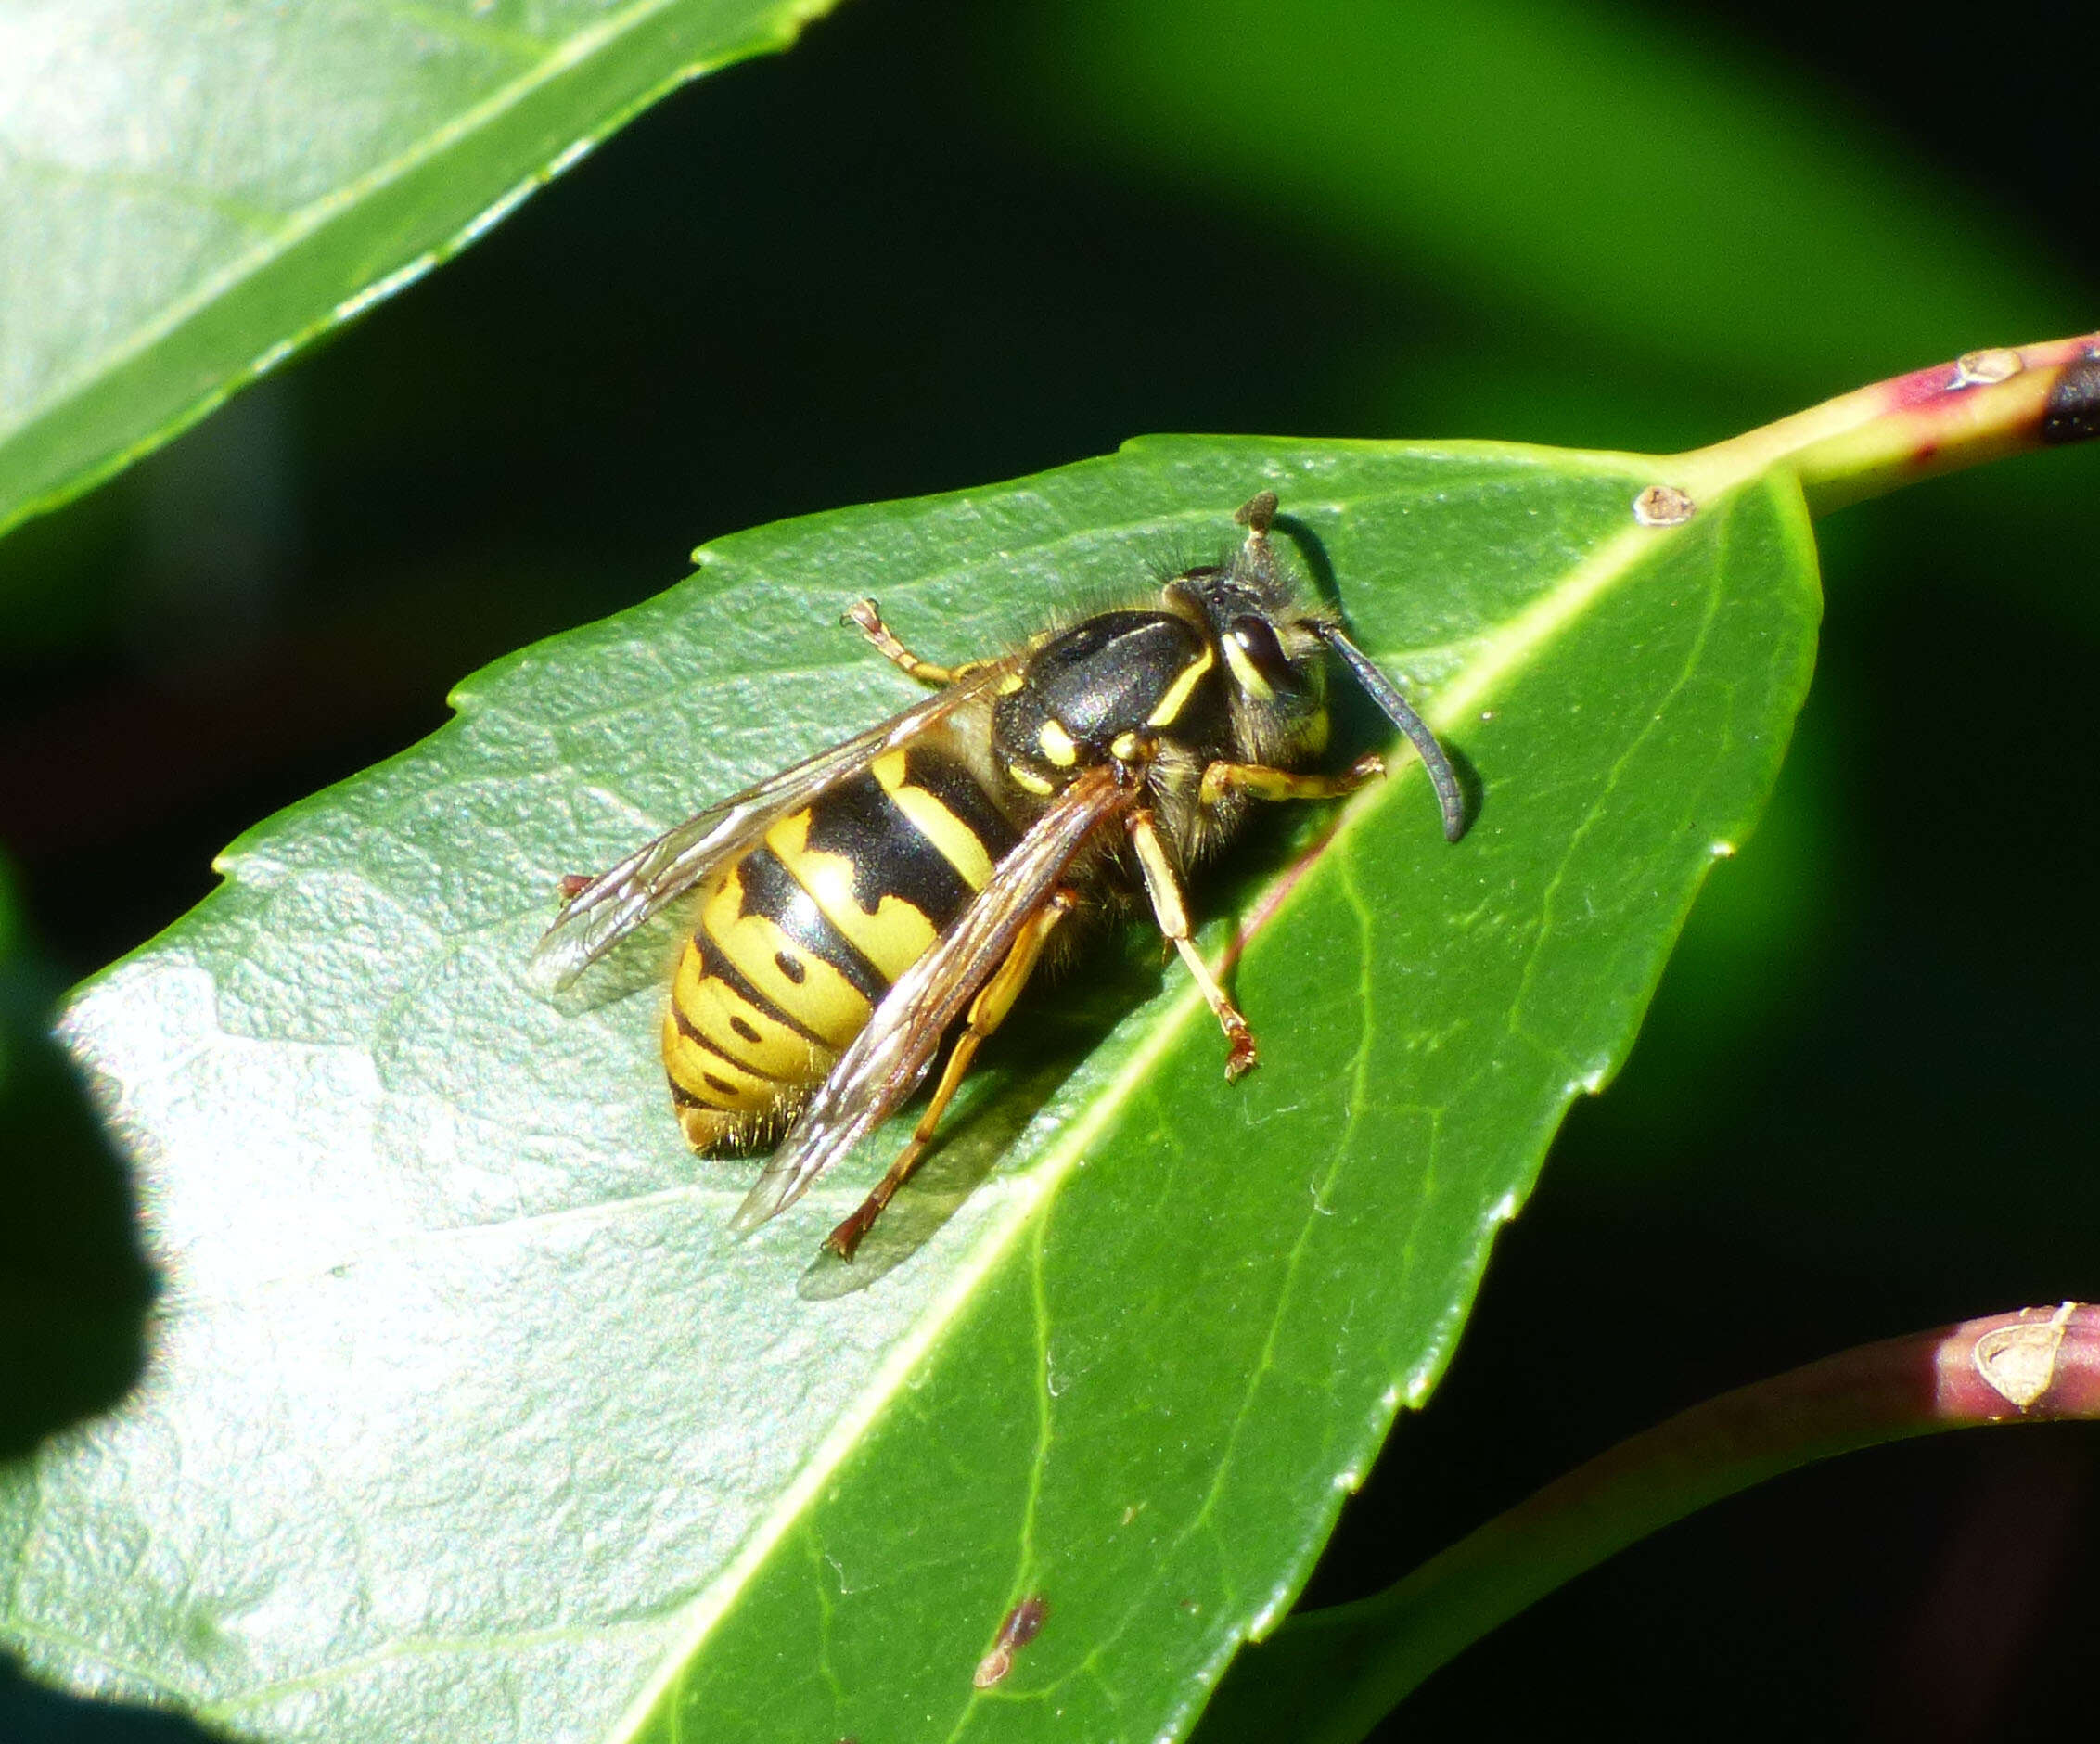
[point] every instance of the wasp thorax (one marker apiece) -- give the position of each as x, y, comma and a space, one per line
1123, 673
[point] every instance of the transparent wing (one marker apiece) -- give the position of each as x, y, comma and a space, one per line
612, 905
889, 1059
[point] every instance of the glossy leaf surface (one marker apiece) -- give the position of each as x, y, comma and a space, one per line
188, 193
467, 1417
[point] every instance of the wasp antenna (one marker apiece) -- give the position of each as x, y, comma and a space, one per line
1450, 797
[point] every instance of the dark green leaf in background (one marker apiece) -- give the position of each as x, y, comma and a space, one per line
1622, 179
467, 1418
189, 194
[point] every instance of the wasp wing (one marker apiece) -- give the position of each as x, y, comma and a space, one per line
615, 902
887, 1059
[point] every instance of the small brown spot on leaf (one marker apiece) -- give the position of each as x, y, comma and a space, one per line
1662, 505
1023, 1624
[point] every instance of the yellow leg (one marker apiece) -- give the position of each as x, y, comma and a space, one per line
1171, 912
862, 614
987, 1011
1263, 783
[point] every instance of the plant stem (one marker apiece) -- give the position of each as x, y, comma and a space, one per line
1328, 1677
1981, 406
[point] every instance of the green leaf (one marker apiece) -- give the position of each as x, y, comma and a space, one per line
189, 195
468, 1420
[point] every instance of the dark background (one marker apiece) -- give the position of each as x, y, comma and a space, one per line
933, 246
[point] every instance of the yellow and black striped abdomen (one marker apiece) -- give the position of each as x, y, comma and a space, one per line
799, 937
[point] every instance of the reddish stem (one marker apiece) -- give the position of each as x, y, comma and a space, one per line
2035, 1366
1983, 404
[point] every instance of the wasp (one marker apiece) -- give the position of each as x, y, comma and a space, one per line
847, 914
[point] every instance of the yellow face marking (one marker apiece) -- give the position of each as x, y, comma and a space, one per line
1056, 744
1028, 780
822, 1001
748, 1033
1177, 696
957, 844
701, 1071
894, 937
1244, 674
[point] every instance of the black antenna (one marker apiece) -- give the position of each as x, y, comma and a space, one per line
1450, 797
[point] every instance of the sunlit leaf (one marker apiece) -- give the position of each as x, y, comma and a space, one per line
468, 1418
189, 193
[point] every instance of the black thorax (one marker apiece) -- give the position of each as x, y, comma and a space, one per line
1149, 674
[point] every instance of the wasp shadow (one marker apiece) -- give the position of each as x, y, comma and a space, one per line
1056, 1026
641, 961
1051, 1032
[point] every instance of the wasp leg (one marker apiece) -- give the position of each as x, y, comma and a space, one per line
1263, 783
987, 1011
1171, 912
864, 616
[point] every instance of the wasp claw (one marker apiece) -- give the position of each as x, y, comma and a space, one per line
845, 1240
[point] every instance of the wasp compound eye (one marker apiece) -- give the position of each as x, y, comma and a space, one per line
1257, 639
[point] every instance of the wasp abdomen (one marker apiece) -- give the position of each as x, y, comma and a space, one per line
800, 935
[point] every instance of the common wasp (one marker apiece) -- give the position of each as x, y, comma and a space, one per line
847, 913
